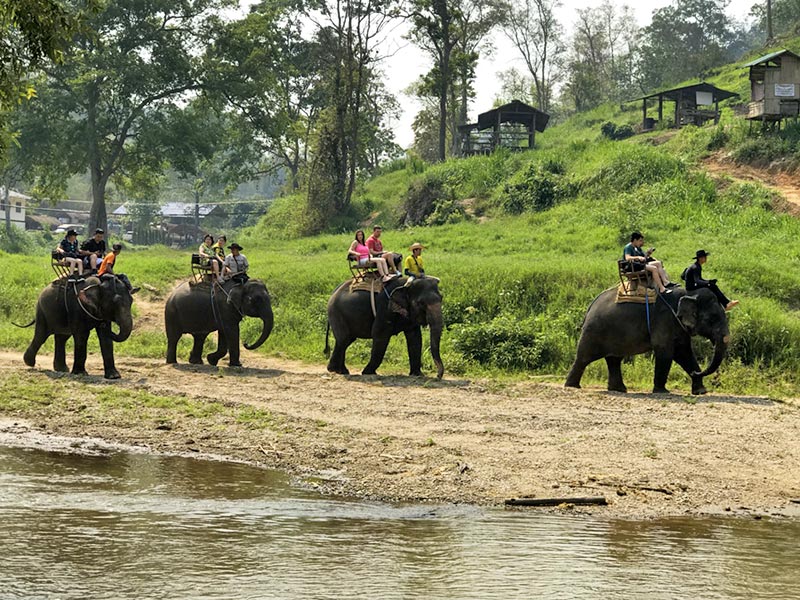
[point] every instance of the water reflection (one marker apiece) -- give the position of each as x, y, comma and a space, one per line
125, 525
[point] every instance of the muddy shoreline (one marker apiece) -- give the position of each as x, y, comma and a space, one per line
423, 440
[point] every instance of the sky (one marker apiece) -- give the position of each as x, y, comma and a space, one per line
406, 63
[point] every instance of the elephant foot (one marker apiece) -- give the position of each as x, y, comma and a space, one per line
172, 361
661, 390
617, 388
196, 361
368, 371
570, 384
699, 391
79, 372
234, 364
29, 360
416, 374
112, 374
212, 360
61, 368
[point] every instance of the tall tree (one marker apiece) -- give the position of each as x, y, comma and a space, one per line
115, 85
433, 25
269, 74
532, 27
348, 37
685, 40
776, 18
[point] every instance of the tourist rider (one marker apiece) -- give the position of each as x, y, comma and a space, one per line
207, 256
640, 259
68, 249
413, 265
376, 249
694, 280
218, 249
361, 252
93, 250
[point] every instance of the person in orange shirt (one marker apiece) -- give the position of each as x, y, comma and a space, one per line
107, 268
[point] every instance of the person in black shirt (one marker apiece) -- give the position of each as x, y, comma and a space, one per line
694, 280
93, 250
68, 249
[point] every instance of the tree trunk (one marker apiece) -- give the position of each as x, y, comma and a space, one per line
97, 214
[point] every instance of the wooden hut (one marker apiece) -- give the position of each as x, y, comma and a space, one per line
694, 105
513, 125
774, 87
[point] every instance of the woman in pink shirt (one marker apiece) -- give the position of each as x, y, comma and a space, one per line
360, 251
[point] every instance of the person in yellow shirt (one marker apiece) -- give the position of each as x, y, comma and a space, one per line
413, 266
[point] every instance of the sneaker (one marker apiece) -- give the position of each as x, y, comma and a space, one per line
671, 284
666, 291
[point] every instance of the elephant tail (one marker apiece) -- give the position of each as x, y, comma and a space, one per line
327, 350
23, 326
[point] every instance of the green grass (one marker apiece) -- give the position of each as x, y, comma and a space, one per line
516, 287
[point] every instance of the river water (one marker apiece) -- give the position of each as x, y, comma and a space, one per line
126, 525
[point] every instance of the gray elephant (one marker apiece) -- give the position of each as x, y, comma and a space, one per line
614, 331
398, 308
192, 308
67, 309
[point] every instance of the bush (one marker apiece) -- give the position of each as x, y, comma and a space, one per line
633, 167
762, 150
422, 196
612, 131
537, 187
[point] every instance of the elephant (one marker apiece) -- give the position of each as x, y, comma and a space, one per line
397, 308
194, 309
66, 309
614, 331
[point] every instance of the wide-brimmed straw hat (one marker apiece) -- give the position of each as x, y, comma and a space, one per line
415, 246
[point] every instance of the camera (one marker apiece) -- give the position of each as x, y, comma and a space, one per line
651, 250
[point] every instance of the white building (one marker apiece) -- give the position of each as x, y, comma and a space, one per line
16, 207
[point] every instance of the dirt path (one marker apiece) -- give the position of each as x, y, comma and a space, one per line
780, 182
462, 441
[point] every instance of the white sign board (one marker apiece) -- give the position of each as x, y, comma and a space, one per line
784, 90
705, 98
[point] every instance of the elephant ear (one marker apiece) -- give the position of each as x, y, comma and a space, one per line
687, 311
399, 301
236, 294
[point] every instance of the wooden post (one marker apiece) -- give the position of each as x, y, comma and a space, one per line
532, 133
497, 131
678, 110
716, 112
660, 108
644, 114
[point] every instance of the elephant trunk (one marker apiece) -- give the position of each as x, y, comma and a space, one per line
720, 348
435, 322
125, 322
267, 320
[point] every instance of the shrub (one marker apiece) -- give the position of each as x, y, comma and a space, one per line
536, 188
635, 166
422, 196
612, 131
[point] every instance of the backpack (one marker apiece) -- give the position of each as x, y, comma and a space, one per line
683, 275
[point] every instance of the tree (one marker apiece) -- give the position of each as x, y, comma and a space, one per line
31, 31
348, 35
114, 87
433, 30
269, 74
776, 18
532, 27
685, 40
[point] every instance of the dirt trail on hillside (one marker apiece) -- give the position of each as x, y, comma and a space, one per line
398, 438
783, 183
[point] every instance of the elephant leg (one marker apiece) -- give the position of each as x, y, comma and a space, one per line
81, 340
615, 383
663, 366
379, 345
232, 340
222, 349
685, 357
196, 355
107, 351
583, 358
414, 346
40, 336
336, 362
60, 355
172, 347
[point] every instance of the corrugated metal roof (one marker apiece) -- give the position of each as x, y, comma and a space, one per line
172, 209
769, 57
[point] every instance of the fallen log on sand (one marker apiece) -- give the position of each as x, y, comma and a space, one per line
592, 500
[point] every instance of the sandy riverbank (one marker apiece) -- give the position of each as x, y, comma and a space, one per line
397, 438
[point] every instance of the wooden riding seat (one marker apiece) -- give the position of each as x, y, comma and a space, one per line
59, 265
201, 268
360, 272
632, 274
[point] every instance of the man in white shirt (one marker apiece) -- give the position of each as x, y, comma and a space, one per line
236, 264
